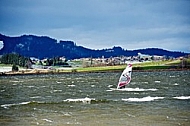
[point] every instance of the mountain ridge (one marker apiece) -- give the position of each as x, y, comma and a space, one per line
46, 47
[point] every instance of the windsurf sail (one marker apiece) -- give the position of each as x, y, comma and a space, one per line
125, 77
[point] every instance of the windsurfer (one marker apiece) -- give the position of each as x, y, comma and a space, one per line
125, 77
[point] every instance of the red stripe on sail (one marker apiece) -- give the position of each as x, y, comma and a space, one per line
130, 65
125, 82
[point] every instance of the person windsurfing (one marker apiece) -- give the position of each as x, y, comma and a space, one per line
125, 77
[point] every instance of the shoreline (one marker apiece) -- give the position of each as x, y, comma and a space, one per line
51, 72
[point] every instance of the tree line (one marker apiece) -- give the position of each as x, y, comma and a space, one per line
22, 61
14, 59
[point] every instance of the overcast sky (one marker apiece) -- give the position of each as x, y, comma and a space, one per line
98, 24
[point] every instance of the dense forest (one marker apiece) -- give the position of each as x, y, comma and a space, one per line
22, 61
15, 59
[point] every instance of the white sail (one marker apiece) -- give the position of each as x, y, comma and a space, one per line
125, 77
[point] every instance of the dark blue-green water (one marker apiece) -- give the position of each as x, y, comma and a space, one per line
151, 99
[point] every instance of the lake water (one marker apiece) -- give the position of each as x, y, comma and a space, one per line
90, 99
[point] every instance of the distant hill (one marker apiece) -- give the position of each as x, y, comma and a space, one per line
46, 47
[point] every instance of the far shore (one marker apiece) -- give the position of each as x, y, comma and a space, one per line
72, 71
149, 66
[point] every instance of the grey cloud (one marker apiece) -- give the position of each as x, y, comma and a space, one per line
101, 24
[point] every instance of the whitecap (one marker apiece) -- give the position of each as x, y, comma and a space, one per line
72, 85
131, 115
157, 81
44, 86
73, 123
176, 84
67, 114
16, 81
83, 100
109, 90
145, 82
135, 89
110, 86
140, 89
2, 90
48, 120
30, 86
35, 97
144, 99
57, 90
58, 82
14, 104
182, 97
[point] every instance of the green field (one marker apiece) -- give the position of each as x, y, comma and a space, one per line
101, 68
153, 65
5, 65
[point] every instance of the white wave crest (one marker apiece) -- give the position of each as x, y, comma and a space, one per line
109, 90
17, 81
2, 90
47, 120
36, 97
135, 89
83, 100
14, 104
30, 86
176, 84
72, 85
182, 97
145, 82
157, 81
58, 82
138, 89
144, 99
57, 90
110, 86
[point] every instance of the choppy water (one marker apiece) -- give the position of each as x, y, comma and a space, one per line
151, 99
